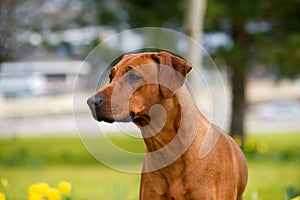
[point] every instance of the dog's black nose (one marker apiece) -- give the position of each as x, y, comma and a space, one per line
95, 101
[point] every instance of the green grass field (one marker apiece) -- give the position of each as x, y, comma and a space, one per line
24, 161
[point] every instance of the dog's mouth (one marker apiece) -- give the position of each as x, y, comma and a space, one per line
131, 117
102, 116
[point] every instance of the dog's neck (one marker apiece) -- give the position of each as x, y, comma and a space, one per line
173, 127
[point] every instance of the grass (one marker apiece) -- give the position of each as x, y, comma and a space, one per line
24, 161
269, 180
278, 143
89, 182
36, 152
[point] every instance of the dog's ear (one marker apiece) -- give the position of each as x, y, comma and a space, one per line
172, 71
112, 74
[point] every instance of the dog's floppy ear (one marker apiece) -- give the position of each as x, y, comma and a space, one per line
112, 74
172, 71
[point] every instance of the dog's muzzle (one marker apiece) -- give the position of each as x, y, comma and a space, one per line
96, 104
95, 101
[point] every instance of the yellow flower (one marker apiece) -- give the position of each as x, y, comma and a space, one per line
64, 187
237, 140
53, 194
4, 182
296, 198
35, 197
40, 189
2, 196
249, 145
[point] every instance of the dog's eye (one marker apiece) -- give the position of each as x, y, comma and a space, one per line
132, 78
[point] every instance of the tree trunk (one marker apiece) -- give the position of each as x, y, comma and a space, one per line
238, 102
194, 19
193, 27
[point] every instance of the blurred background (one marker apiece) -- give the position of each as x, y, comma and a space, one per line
43, 44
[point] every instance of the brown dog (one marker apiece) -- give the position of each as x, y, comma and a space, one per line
187, 156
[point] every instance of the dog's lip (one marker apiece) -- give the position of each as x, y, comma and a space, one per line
110, 120
104, 119
125, 119
99, 118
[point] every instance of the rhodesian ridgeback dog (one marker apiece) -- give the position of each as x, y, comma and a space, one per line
187, 156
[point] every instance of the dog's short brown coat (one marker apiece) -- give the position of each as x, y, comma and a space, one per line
205, 163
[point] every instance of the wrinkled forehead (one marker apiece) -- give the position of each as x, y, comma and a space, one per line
135, 60
142, 63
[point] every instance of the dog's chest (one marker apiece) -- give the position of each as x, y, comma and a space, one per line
175, 189
178, 190
176, 182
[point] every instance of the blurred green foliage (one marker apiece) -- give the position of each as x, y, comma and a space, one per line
39, 152
44, 151
278, 148
273, 171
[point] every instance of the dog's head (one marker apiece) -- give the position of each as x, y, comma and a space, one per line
138, 82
